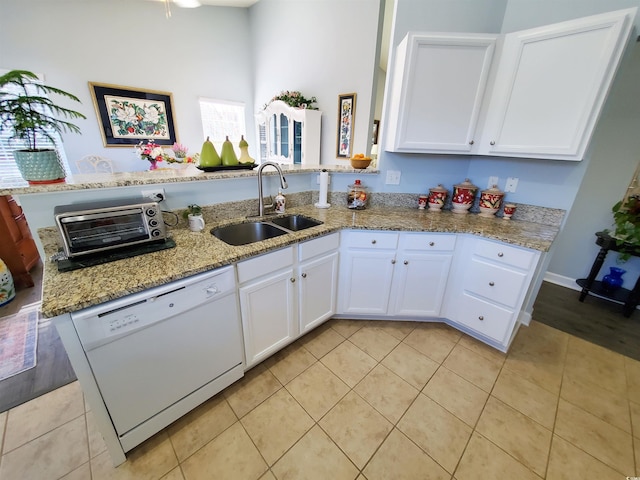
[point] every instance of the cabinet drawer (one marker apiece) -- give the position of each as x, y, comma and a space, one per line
484, 317
494, 282
318, 246
427, 242
507, 254
371, 239
267, 263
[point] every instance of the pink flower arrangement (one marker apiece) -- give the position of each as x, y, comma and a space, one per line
179, 150
150, 151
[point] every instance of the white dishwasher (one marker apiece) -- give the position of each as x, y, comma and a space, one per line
157, 354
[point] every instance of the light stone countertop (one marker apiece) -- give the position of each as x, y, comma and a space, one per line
198, 252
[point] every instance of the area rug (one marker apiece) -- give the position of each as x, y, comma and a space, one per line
18, 341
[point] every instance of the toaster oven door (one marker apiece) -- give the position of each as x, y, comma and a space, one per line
96, 232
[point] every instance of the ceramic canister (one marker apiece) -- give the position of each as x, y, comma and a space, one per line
7, 288
437, 197
490, 201
463, 196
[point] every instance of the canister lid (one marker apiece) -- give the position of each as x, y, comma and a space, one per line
494, 190
466, 184
439, 188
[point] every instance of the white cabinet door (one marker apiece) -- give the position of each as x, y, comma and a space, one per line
551, 84
438, 87
365, 281
419, 283
317, 284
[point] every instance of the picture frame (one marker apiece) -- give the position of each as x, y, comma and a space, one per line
129, 115
346, 122
376, 128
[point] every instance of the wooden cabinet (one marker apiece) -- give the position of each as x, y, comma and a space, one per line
540, 97
289, 135
17, 247
550, 86
438, 87
487, 287
391, 274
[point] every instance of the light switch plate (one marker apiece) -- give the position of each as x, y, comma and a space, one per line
393, 177
512, 184
492, 181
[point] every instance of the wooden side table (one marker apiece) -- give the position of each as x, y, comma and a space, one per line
629, 298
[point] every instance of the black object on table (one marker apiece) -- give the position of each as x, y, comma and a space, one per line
630, 298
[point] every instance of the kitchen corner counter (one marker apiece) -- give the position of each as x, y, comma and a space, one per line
198, 252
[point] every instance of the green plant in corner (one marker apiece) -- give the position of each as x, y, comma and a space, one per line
30, 116
192, 209
626, 219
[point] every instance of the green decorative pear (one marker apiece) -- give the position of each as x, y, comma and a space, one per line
244, 152
228, 155
208, 156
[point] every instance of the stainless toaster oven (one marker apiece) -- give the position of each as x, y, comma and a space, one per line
89, 228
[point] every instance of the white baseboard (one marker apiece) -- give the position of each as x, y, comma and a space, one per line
562, 281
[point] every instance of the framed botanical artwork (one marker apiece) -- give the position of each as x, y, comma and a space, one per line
130, 115
346, 120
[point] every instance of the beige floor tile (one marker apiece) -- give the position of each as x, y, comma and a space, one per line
607, 443
41, 415
247, 393
484, 460
400, 459
590, 362
483, 349
461, 397
387, 393
374, 341
52, 455
317, 389
636, 448
526, 397
567, 462
349, 363
83, 472
410, 365
515, 433
632, 368
290, 362
315, 456
200, 426
438, 432
322, 340
635, 418
276, 424
175, 474
149, 460
398, 330
231, 454
3, 422
440, 328
356, 427
96, 442
431, 342
474, 367
268, 476
602, 403
344, 327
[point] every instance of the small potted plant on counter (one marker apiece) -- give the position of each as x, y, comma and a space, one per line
30, 117
193, 214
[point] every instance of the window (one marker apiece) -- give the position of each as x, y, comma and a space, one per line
9, 173
221, 118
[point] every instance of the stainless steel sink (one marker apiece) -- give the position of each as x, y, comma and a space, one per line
245, 233
250, 232
295, 222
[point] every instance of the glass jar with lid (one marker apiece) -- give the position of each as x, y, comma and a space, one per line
357, 196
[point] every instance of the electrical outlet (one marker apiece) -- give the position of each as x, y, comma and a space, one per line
393, 177
492, 181
512, 184
155, 195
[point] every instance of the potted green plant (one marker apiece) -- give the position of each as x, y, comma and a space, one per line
193, 214
626, 220
30, 116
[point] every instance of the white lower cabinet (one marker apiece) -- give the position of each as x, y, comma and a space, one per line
395, 274
487, 287
286, 293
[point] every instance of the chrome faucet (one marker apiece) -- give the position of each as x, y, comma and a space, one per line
283, 183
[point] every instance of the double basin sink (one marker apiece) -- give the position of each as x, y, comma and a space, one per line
256, 231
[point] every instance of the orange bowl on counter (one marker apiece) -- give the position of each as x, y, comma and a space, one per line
360, 163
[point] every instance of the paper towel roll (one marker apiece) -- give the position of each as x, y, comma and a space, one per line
324, 189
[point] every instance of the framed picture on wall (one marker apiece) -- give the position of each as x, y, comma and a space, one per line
129, 115
346, 120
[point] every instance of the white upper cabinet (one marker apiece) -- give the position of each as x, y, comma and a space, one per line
438, 87
289, 135
550, 86
540, 96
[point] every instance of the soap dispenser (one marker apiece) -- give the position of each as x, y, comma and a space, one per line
280, 202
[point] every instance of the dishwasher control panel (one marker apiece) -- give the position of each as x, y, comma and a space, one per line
103, 323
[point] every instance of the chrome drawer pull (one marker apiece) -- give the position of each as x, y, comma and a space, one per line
501, 254
393, 261
431, 244
304, 275
481, 318
293, 280
406, 262
373, 242
491, 284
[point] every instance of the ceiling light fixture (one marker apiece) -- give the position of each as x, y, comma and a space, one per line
187, 3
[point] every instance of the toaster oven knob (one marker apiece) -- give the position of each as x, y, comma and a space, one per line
151, 212
155, 233
153, 222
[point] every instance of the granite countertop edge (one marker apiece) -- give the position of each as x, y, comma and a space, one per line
199, 252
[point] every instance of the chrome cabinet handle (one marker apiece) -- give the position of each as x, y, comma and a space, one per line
293, 280
431, 244
481, 317
393, 261
406, 262
492, 142
373, 242
501, 254
491, 284
471, 142
304, 275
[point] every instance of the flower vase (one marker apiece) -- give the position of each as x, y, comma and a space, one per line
613, 280
154, 164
